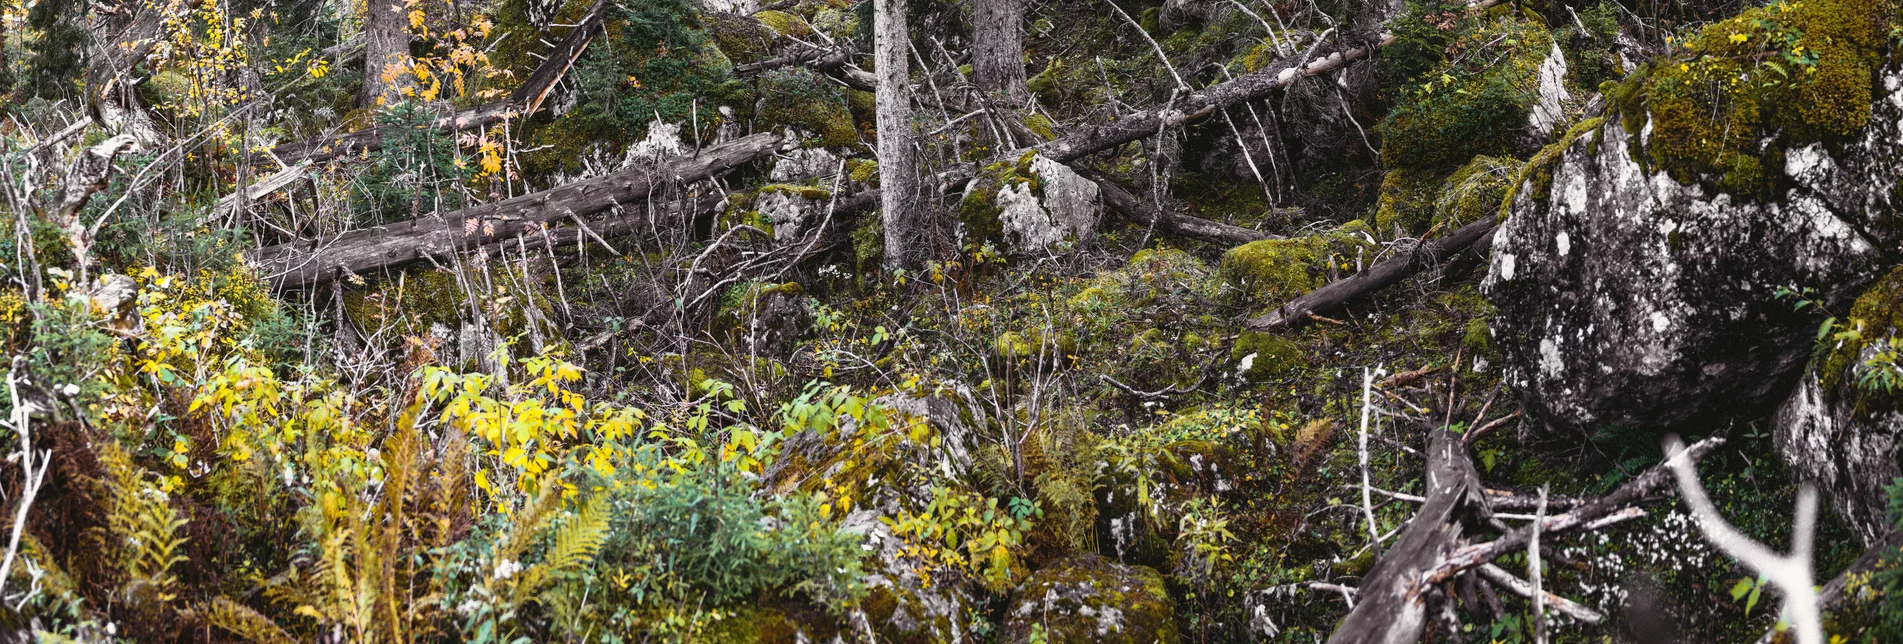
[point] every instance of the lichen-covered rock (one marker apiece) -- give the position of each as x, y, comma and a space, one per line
1549, 111
1060, 206
804, 164
1628, 298
1840, 431
792, 210
1083, 598
663, 141
1033, 206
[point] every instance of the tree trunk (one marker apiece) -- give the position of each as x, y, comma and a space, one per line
997, 50
907, 231
386, 40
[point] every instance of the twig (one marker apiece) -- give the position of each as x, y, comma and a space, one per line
1500, 577
1367, 504
1481, 432
30, 478
1533, 572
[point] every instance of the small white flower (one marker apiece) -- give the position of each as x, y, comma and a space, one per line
69, 390
507, 568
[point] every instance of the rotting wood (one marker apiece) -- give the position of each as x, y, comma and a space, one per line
832, 62
306, 263
263, 187
1392, 606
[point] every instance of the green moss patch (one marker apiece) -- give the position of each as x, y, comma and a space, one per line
1726, 106
1475, 104
801, 98
1280, 269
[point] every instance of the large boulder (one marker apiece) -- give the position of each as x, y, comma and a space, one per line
1841, 427
1630, 298
1084, 598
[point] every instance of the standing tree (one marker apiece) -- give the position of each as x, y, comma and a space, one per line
997, 50
386, 38
908, 232
997, 65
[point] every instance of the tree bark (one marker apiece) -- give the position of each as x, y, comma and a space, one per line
907, 232
834, 62
386, 40
997, 50
303, 264
1393, 601
116, 48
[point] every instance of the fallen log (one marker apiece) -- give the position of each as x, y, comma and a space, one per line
525, 100
1181, 225
1348, 289
307, 263
279, 180
1392, 606
1393, 598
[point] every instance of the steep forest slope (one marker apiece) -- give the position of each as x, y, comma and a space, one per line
951, 320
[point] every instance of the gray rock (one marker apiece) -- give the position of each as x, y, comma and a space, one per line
1849, 455
1549, 113
1084, 598
1063, 208
790, 213
804, 164
1629, 299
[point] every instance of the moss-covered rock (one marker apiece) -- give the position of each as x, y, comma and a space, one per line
762, 319
1478, 104
743, 39
1279, 269
1474, 191
1262, 356
800, 98
1083, 598
1724, 110
1406, 203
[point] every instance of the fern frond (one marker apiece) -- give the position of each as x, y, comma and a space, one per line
246, 623
576, 542
581, 537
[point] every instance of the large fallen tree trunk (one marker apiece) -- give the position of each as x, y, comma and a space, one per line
834, 62
525, 100
1348, 289
303, 264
